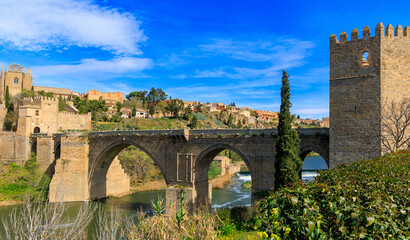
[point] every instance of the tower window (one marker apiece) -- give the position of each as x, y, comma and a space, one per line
16, 81
365, 59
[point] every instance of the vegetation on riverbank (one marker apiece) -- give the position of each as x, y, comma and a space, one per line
140, 167
366, 199
16, 181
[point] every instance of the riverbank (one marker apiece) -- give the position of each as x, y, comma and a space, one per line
149, 186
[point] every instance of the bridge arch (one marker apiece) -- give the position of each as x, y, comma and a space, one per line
98, 168
202, 164
305, 150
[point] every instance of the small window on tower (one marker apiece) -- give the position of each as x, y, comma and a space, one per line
365, 59
37, 112
16, 81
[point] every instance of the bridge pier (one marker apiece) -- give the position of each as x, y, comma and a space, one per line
70, 180
45, 152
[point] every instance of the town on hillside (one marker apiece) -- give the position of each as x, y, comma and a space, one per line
21, 99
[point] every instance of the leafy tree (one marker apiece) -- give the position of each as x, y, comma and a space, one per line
194, 122
26, 93
151, 110
134, 112
141, 95
44, 94
187, 113
138, 165
214, 170
10, 120
175, 107
7, 98
119, 106
288, 163
85, 105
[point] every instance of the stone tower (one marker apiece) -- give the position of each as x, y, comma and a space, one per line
17, 79
364, 73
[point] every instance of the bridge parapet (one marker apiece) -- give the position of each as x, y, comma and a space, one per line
209, 132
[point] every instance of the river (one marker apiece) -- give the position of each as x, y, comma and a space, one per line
231, 196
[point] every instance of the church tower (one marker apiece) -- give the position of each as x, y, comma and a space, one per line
16, 79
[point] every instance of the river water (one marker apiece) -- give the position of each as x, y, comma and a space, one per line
231, 196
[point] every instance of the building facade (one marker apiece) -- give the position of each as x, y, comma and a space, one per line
41, 115
110, 98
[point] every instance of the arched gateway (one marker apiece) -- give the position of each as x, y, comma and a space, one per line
183, 157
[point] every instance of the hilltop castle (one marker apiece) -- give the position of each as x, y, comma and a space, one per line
364, 73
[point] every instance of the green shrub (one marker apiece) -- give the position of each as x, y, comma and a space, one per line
366, 199
214, 170
247, 185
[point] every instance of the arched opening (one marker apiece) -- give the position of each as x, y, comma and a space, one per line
312, 163
36, 130
365, 59
34, 147
228, 171
128, 172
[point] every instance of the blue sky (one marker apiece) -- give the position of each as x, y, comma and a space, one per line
210, 51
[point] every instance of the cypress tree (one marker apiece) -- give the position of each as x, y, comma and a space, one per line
8, 99
288, 163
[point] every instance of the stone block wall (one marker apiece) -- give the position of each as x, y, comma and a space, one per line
67, 120
358, 86
14, 148
3, 112
118, 182
70, 180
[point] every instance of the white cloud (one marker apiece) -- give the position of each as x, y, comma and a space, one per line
210, 74
277, 54
91, 67
35, 25
277, 50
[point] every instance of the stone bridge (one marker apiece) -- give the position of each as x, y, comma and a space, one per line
79, 162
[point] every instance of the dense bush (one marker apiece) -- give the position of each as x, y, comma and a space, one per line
214, 171
366, 199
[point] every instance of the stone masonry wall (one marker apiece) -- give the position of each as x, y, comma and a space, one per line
118, 182
70, 180
3, 112
357, 87
67, 120
395, 66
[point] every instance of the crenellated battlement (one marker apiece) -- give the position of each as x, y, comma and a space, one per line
36, 101
364, 74
389, 32
73, 113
